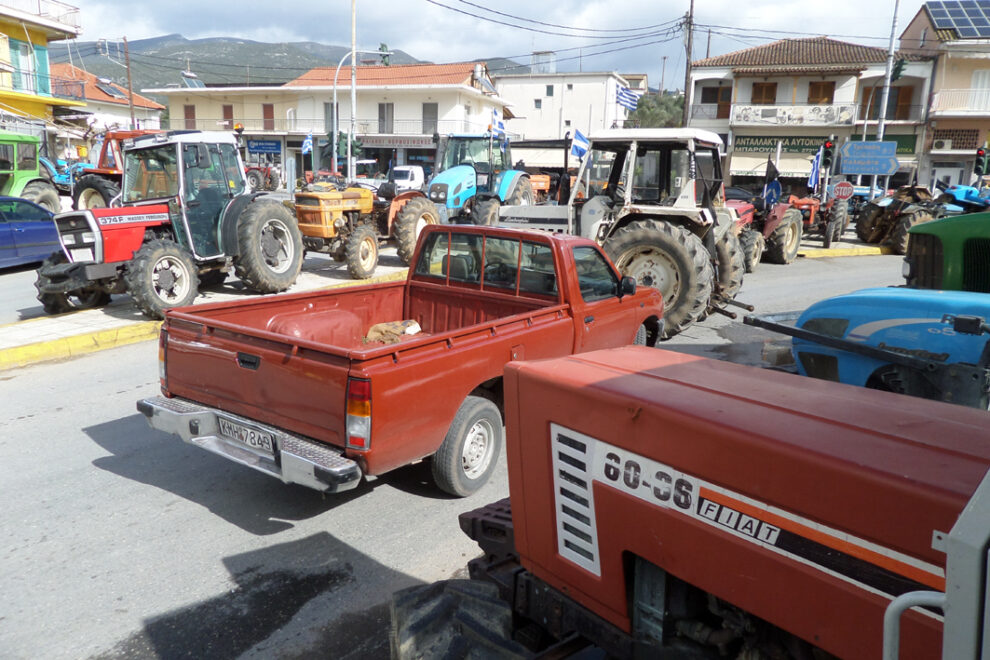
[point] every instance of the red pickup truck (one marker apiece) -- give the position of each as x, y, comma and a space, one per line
293, 386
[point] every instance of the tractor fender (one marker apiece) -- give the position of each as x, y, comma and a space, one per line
508, 181
773, 217
396, 205
688, 223
228, 223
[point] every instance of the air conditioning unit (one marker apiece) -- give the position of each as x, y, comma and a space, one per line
942, 145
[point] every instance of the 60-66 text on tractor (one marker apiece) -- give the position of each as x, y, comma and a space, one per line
187, 219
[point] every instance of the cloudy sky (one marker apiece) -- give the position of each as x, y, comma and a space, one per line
590, 35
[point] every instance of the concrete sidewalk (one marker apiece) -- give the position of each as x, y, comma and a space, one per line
48, 338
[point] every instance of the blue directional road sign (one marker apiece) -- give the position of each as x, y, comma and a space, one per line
879, 158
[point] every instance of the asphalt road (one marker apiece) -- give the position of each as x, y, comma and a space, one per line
122, 542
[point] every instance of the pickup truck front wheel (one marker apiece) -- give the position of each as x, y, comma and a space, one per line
469, 453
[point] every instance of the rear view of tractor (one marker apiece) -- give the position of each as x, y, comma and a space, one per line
473, 178
773, 232
828, 218
186, 219
888, 220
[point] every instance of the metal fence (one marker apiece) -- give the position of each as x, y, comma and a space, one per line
59, 12
304, 126
962, 100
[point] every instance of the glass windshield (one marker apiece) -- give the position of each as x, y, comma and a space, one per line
594, 178
472, 151
151, 173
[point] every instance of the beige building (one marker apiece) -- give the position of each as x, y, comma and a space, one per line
959, 115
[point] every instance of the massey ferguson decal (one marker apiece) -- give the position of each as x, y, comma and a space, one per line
133, 219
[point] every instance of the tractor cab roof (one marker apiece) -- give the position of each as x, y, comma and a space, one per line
628, 135
182, 137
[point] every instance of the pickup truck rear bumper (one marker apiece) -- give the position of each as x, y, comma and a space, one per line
294, 460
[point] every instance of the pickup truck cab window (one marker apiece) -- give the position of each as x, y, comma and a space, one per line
501, 259
596, 278
454, 256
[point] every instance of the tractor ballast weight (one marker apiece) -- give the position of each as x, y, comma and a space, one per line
891, 218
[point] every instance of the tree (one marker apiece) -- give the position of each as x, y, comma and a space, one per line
657, 112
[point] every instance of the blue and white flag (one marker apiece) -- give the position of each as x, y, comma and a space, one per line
627, 98
498, 126
308, 144
579, 145
815, 170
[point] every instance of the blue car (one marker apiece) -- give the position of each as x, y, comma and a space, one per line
27, 232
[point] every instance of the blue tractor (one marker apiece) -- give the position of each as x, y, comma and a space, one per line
472, 178
967, 198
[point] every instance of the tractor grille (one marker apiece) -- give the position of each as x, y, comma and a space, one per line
574, 500
79, 236
976, 265
925, 256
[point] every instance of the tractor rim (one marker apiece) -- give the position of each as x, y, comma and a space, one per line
791, 237
91, 199
170, 279
478, 449
276, 245
655, 268
423, 220
367, 252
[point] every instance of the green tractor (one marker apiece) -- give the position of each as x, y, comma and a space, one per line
20, 175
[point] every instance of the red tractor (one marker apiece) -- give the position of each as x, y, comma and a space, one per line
97, 186
186, 218
772, 233
829, 218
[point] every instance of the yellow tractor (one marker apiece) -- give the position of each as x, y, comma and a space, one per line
343, 224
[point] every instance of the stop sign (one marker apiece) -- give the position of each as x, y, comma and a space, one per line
843, 190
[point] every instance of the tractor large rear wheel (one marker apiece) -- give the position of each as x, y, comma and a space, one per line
94, 192
270, 246
43, 193
785, 240
731, 266
162, 275
671, 259
867, 229
522, 194
416, 214
899, 236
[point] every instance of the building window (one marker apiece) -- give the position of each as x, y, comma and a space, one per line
538, 103
720, 98
329, 113
549, 90
821, 92
386, 118
764, 93
567, 122
268, 116
898, 104
228, 117
430, 113
924, 37
570, 87
190, 116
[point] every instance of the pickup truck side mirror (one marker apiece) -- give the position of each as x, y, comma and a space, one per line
627, 286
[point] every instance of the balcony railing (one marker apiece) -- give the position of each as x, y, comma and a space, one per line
710, 111
320, 127
31, 82
970, 101
59, 12
793, 115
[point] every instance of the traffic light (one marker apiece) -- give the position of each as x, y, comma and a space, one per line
828, 151
981, 162
385, 54
898, 70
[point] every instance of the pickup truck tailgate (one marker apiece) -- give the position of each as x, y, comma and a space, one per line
290, 386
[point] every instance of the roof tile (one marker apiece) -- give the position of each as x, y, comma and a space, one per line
458, 73
94, 93
788, 53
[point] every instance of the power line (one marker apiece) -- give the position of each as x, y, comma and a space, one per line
567, 27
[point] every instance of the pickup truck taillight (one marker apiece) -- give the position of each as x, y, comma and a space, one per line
162, 372
358, 414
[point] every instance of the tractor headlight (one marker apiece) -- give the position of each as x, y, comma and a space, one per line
438, 192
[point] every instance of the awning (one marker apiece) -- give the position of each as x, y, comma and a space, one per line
791, 165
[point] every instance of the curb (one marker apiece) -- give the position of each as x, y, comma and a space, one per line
99, 340
845, 252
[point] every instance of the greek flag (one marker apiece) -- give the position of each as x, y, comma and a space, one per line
579, 145
815, 170
498, 126
627, 98
308, 144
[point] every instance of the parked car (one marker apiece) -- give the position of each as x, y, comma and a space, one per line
408, 177
27, 232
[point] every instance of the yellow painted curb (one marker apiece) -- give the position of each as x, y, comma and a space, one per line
66, 347
845, 252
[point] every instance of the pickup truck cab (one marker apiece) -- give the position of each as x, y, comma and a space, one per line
294, 387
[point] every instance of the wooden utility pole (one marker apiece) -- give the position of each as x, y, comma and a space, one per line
688, 45
130, 85
663, 73
708, 48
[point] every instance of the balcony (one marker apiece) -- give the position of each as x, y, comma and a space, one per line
40, 84
59, 12
320, 127
793, 115
963, 102
710, 111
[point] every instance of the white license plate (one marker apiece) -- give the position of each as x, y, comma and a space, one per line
253, 438
81, 254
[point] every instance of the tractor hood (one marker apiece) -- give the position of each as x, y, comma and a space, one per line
454, 186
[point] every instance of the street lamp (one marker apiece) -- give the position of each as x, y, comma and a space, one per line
350, 132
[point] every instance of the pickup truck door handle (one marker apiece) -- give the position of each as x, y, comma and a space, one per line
589, 319
248, 361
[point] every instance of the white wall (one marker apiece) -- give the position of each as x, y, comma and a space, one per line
589, 104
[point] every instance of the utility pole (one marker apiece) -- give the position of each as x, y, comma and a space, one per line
663, 73
350, 134
130, 85
885, 96
708, 48
688, 45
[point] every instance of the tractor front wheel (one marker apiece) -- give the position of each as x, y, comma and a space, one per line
270, 246
416, 214
361, 252
43, 194
671, 259
162, 275
753, 244
485, 211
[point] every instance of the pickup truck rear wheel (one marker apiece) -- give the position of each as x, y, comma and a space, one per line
361, 252
671, 259
162, 275
271, 251
469, 453
416, 214
785, 240
59, 303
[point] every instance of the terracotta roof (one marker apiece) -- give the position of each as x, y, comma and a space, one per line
458, 73
94, 93
798, 52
